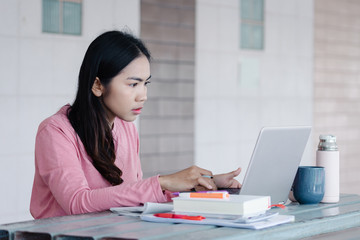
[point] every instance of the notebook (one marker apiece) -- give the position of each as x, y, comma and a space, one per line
274, 162
240, 205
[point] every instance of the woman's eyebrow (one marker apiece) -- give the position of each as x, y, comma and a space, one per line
138, 79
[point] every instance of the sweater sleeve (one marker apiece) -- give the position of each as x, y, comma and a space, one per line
58, 162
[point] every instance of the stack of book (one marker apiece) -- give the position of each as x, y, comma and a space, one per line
215, 208
221, 203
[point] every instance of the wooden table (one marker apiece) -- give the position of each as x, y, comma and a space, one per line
310, 220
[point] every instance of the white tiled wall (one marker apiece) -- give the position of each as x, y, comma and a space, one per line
230, 111
38, 75
336, 83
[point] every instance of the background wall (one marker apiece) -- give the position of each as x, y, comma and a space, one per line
167, 122
39, 75
337, 82
240, 91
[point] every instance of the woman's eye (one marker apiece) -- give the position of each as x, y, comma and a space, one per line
147, 83
133, 85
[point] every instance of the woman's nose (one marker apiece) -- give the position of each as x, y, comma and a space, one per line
142, 95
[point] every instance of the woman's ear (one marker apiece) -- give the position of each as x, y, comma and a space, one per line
97, 88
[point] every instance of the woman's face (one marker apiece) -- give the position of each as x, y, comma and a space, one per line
126, 93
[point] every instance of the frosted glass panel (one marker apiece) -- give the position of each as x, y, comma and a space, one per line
51, 16
252, 24
258, 10
72, 18
258, 37
61, 16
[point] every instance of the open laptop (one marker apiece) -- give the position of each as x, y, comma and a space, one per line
274, 162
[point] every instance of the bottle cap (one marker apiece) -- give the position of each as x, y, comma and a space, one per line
328, 138
327, 143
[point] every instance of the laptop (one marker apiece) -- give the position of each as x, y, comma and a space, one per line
274, 162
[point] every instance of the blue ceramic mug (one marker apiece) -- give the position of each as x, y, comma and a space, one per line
309, 183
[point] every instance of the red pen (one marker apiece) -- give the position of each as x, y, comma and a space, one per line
172, 215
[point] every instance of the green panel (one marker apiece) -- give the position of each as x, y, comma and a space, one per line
258, 10
257, 37
245, 34
72, 18
252, 36
50, 16
252, 9
245, 9
252, 24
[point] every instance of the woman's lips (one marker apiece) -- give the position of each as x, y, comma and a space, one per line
136, 110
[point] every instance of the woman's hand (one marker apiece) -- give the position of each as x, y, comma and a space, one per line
226, 180
187, 179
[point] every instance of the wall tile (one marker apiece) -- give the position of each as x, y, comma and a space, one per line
157, 32
207, 74
11, 15
176, 143
165, 164
92, 27
163, 126
30, 22
66, 82
163, 89
178, 107
186, 71
207, 16
9, 126
229, 39
287, 35
163, 52
25, 169
161, 14
186, 90
206, 124
125, 15
151, 107
187, 17
186, 53
227, 67
8, 65
7, 204
149, 144
35, 77
272, 28
164, 70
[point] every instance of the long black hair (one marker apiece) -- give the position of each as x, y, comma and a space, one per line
105, 58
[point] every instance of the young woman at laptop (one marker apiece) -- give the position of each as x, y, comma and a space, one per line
87, 154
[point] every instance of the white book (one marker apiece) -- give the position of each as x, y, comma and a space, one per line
244, 205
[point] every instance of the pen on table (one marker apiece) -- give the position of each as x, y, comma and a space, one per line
207, 176
171, 215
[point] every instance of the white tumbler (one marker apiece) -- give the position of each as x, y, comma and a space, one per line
327, 156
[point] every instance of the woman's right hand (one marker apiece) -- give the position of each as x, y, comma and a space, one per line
187, 179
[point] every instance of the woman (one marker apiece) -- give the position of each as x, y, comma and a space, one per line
87, 154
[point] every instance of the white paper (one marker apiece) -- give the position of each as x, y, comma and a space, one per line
148, 208
270, 222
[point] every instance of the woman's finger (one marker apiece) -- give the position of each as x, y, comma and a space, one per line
205, 172
207, 183
236, 172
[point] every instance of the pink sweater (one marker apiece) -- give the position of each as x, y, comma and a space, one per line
67, 183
